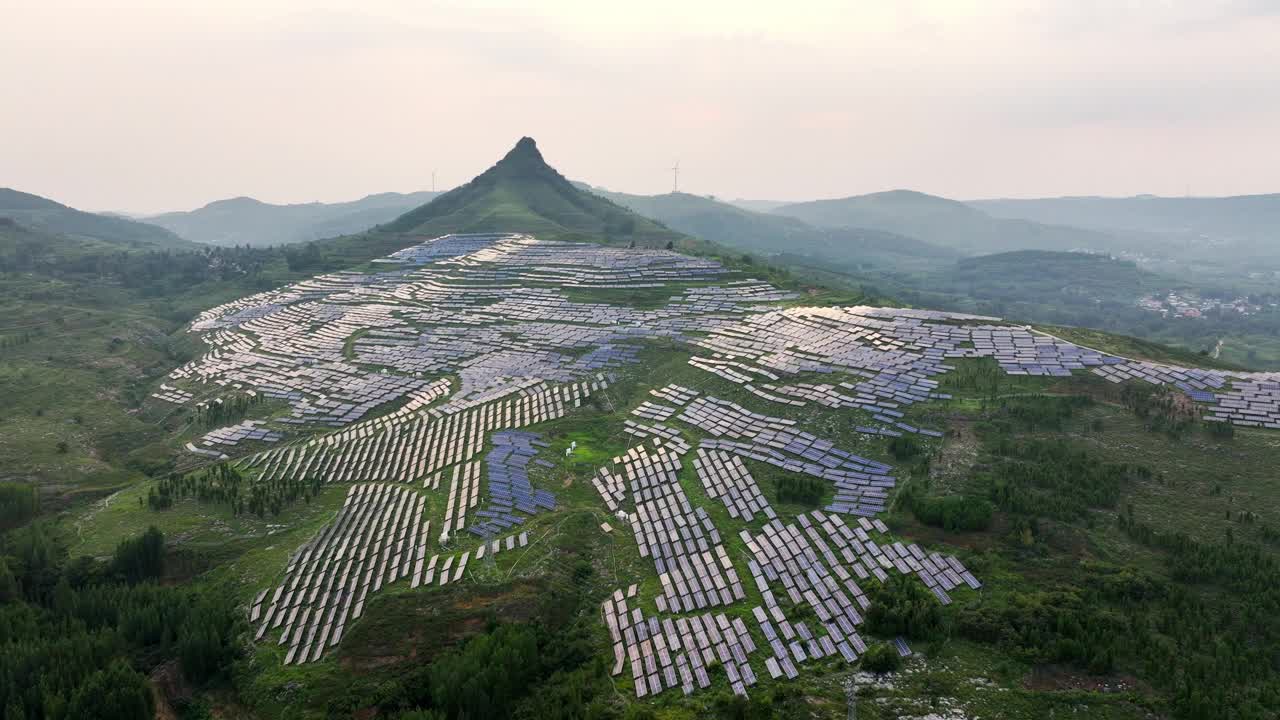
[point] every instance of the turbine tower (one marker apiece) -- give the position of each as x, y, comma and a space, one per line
675, 177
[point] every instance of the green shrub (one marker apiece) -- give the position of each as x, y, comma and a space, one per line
881, 658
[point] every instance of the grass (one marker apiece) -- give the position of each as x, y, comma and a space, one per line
208, 528
1136, 348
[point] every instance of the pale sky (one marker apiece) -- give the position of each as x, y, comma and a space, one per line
168, 105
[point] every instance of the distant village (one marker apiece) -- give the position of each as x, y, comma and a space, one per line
1191, 305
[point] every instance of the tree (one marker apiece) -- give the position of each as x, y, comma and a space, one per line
9, 589
902, 606
141, 558
881, 658
115, 693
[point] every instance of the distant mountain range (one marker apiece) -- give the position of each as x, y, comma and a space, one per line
41, 215
779, 235
946, 223
246, 221
1248, 218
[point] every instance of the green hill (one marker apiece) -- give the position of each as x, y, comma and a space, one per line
246, 221
779, 235
944, 222
1047, 274
23, 249
522, 193
45, 215
1038, 285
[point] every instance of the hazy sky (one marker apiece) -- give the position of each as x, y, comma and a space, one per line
171, 104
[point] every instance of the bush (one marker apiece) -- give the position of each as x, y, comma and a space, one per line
905, 447
881, 658
800, 489
952, 512
18, 503
902, 606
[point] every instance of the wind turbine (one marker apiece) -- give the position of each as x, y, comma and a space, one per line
675, 177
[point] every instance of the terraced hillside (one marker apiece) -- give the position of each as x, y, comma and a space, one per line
732, 478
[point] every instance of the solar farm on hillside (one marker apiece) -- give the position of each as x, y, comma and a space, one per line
425, 386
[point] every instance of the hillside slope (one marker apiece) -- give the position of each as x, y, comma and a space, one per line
1026, 274
246, 221
772, 234
522, 193
944, 222
45, 215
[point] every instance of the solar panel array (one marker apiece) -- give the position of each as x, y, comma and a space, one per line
398, 381
379, 536
900, 353
861, 485
492, 310
415, 442
726, 479
244, 431
693, 568
670, 652
510, 491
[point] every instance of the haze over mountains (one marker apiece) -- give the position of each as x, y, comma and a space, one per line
780, 235
1244, 217
246, 221
944, 222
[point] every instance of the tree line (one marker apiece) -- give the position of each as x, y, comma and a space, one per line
1204, 631
78, 637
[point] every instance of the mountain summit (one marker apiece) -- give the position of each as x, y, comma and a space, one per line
522, 193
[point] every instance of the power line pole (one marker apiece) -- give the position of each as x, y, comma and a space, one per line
851, 697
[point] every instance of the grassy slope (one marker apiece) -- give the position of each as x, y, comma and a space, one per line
1136, 348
